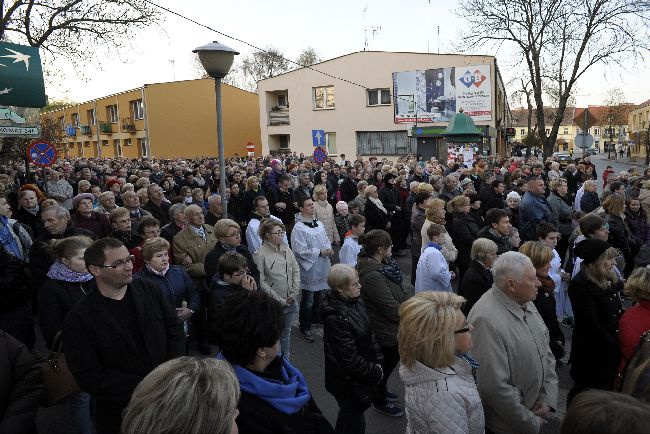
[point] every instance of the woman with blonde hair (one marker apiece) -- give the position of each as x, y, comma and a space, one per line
441, 392
377, 216
325, 213
185, 395
594, 295
435, 213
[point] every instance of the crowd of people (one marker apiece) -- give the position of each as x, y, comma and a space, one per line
132, 266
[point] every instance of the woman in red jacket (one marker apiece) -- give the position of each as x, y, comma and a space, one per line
636, 320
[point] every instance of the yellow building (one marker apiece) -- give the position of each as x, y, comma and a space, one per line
163, 120
639, 128
565, 135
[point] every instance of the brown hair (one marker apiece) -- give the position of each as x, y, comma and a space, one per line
638, 284
153, 246
614, 204
539, 253
458, 202
66, 248
267, 225
373, 240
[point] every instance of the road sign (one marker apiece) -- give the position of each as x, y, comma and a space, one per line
584, 141
318, 137
250, 147
21, 76
10, 131
41, 153
320, 155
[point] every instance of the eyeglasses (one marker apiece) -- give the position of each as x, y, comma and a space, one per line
278, 233
119, 263
236, 235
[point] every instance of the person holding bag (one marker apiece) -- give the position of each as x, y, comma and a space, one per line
67, 283
352, 357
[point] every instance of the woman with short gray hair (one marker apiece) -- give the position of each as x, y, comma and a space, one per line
185, 395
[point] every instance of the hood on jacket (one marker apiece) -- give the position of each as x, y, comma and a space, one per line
366, 265
420, 373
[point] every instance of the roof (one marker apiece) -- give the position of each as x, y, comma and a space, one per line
520, 116
644, 104
388, 52
619, 113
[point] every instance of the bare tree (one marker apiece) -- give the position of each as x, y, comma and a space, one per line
262, 64
73, 29
558, 41
613, 116
308, 57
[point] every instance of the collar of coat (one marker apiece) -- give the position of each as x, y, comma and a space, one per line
515, 308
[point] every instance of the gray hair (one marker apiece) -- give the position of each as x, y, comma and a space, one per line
340, 276
59, 211
481, 247
513, 195
176, 209
213, 198
413, 185
105, 194
510, 265
184, 395
193, 208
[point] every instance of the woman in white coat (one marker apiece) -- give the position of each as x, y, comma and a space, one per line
279, 275
439, 375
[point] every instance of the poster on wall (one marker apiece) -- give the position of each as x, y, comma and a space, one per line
436, 95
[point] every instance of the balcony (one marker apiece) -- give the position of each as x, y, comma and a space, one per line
85, 129
128, 125
279, 116
106, 127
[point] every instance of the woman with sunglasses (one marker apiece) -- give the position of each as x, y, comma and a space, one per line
439, 375
279, 274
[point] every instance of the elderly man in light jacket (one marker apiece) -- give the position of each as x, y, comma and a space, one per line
517, 380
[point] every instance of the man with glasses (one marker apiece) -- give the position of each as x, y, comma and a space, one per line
229, 236
190, 247
262, 211
118, 333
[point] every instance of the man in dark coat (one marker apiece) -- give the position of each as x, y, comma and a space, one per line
497, 227
21, 387
349, 186
156, 205
282, 203
118, 333
29, 212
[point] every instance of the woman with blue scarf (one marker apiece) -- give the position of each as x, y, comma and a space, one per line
439, 375
274, 394
67, 282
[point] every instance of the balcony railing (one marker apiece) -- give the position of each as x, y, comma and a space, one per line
105, 127
85, 129
128, 125
279, 116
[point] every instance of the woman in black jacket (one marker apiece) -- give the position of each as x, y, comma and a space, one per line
15, 311
496, 198
67, 282
478, 277
594, 294
352, 369
619, 232
390, 196
589, 201
375, 212
237, 208
463, 231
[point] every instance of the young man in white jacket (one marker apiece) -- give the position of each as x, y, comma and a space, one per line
351, 248
432, 273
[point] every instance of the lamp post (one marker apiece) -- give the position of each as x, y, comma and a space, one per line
217, 59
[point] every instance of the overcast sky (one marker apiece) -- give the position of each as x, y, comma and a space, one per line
164, 53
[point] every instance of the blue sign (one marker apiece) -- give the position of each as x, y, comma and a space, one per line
318, 137
320, 155
41, 154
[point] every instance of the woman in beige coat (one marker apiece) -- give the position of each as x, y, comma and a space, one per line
279, 274
325, 213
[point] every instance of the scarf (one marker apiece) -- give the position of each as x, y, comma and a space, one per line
158, 273
228, 248
7, 238
289, 394
60, 271
378, 204
200, 231
391, 271
34, 210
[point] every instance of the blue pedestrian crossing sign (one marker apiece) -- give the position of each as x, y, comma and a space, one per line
318, 137
41, 153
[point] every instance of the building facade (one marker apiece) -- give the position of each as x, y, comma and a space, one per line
565, 136
162, 120
639, 131
382, 103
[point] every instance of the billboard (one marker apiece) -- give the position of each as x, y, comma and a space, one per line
435, 95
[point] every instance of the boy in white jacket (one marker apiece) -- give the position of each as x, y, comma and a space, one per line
351, 248
432, 273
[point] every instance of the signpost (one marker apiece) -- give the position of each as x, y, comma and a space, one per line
320, 155
21, 76
250, 147
42, 154
318, 137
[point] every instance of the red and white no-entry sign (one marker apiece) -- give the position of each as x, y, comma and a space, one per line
250, 147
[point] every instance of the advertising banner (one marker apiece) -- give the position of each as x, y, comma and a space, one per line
435, 95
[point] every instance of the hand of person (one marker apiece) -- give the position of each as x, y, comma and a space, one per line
280, 205
290, 301
540, 409
388, 226
565, 276
453, 275
247, 282
326, 252
183, 313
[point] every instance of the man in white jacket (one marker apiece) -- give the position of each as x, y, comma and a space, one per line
517, 380
432, 273
313, 250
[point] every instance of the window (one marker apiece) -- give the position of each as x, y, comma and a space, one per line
523, 132
137, 109
111, 114
330, 142
283, 100
75, 119
143, 147
90, 115
118, 148
378, 97
324, 97
62, 121
127, 142
385, 143
104, 142
566, 131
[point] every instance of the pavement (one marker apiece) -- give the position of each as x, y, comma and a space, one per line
309, 358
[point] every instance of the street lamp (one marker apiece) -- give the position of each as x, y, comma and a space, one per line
217, 59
